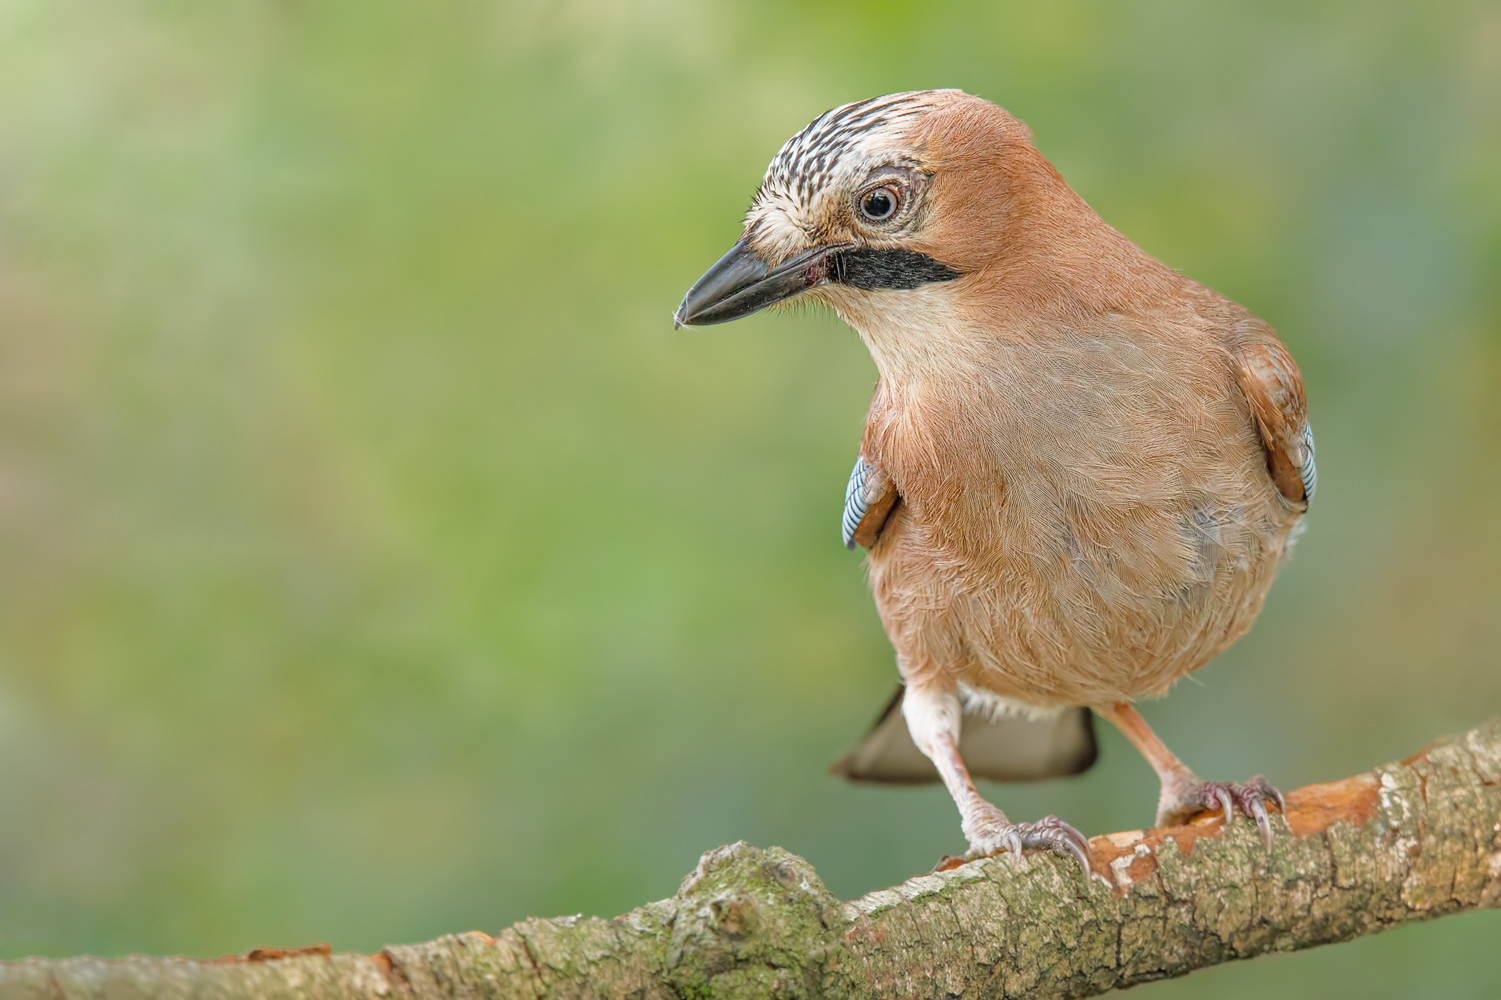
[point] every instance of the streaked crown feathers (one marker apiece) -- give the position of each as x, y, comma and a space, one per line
836, 148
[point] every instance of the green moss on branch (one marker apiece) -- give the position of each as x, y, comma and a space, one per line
1412, 840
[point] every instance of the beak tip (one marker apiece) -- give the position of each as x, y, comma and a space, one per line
741, 282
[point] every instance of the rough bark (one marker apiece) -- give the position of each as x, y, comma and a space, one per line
1413, 840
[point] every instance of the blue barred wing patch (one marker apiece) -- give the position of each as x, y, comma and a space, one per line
855, 504
1307, 471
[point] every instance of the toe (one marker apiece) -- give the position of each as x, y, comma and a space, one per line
1049, 833
1218, 796
1268, 790
1012, 842
1250, 797
1053, 834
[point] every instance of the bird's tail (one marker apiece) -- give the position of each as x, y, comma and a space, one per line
1004, 749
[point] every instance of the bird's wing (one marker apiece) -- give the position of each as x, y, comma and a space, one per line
1004, 749
1274, 387
868, 501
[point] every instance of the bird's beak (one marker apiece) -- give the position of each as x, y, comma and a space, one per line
742, 282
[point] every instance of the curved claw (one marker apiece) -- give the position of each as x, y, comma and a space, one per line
1073, 833
1269, 790
1049, 834
1080, 853
1258, 813
1058, 836
1250, 798
1227, 804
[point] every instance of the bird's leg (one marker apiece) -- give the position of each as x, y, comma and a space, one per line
1183, 792
933, 718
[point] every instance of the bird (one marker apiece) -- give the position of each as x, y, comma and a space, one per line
1080, 469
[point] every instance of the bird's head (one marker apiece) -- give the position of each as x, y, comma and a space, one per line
880, 205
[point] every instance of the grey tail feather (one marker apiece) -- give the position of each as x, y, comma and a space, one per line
1009, 749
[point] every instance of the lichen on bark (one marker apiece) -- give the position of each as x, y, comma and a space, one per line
1412, 840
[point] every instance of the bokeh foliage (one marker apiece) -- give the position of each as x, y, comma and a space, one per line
376, 561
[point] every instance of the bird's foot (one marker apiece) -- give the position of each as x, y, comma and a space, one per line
1224, 797
989, 832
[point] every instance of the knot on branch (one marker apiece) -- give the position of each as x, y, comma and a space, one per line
753, 922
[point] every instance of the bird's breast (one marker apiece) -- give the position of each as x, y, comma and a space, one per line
1071, 506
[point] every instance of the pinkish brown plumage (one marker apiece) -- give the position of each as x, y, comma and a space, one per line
1099, 463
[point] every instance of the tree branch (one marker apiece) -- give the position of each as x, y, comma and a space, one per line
1413, 840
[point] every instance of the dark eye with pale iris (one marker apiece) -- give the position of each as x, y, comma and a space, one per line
879, 204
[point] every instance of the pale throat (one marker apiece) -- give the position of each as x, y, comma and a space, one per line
920, 335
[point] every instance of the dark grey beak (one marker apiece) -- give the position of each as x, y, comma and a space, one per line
741, 283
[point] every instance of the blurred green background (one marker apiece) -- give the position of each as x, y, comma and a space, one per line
376, 561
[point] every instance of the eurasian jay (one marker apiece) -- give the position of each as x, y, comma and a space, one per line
1080, 469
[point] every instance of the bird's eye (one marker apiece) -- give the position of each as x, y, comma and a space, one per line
880, 204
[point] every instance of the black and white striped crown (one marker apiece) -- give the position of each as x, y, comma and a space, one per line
807, 161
